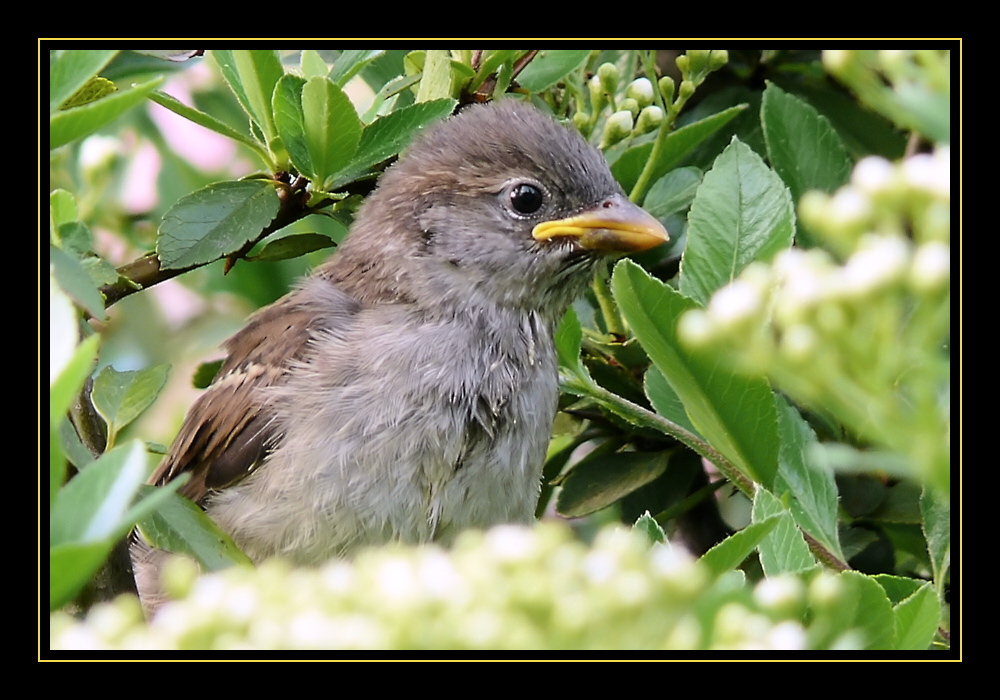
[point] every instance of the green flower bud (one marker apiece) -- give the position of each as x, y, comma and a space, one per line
697, 63
683, 63
666, 85
607, 73
718, 59
598, 97
618, 126
837, 61
629, 105
581, 120
640, 90
649, 119
687, 89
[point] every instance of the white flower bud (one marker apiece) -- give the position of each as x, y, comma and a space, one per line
849, 208
928, 173
736, 302
873, 175
640, 90
882, 262
799, 344
618, 126
931, 267
696, 329
650, 118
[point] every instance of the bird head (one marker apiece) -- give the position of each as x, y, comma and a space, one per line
501, 205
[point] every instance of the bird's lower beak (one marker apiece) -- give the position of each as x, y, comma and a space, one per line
615, 225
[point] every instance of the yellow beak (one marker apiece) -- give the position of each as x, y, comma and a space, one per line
615, 225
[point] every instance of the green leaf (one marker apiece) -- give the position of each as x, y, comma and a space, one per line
178, 525
672, 193
95, 89
72, 124
69, 70
812, 488
735, 413
290, 122
92, 506
917, 619
676, 146
438, 77
75, 280
935, 510
120, 397
647, 525
802, 145
866, 608
388, 135
352, 62
93, 511
62, 392
927, 110
665, 400
898, 588
312, 65
731, 552
568, 337
71, 566
549, 67
596, 483
293, 246
62, 208
206, 120
784, 550
331, 126
742, 213
215, 221
253, 75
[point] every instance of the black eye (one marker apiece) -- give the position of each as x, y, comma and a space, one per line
525, 198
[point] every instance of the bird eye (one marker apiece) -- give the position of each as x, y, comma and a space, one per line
525, 198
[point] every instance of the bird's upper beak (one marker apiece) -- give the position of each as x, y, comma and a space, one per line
615, 225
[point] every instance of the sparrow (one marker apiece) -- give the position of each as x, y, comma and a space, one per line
405, 390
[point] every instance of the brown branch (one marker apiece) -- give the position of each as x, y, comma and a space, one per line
146, 271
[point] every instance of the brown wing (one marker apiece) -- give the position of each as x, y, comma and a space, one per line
227, 431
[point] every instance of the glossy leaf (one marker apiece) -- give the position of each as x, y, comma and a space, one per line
77, 122
731, 552
784, 550
331, 126
735, 413
178, 525
549, 67
813, 491
742, 213
597, 483
70, 69
802, 145
120, 397
215, 221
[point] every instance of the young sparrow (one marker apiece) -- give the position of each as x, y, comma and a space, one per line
406, 389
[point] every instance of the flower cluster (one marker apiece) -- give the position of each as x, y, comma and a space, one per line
508, 588
858, 329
